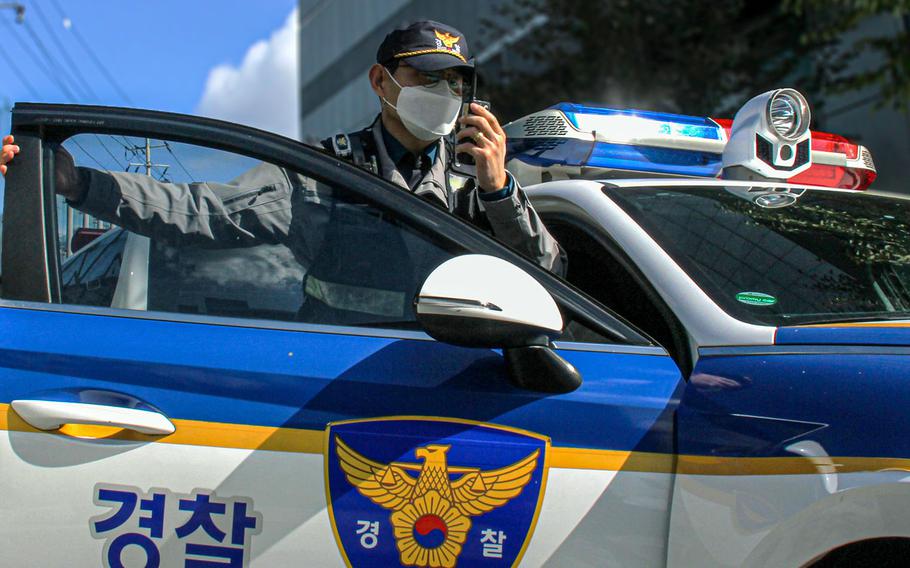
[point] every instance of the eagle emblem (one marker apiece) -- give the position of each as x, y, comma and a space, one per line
430, 505
447, 39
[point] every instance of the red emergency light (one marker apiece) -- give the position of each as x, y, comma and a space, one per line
836, 161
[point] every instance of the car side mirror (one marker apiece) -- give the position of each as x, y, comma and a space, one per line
483, 301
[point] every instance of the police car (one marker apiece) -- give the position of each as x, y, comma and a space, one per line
718, 382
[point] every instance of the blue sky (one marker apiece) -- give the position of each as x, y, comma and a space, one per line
160, 52
197, 57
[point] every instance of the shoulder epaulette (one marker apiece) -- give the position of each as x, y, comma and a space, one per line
357, 147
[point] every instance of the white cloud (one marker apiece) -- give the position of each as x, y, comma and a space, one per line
262, 91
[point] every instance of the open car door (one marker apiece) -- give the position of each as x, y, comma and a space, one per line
192, 387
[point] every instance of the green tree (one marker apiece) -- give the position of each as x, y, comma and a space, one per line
687, 56
877, 60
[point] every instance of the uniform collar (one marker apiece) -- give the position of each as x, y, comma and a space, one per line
435, 182
397, 151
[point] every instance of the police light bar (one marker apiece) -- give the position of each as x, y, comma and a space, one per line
577, 141
569, 140
836, 162
770, 138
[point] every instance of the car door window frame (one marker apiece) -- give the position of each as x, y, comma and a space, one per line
681, 350
25, 261
47, 124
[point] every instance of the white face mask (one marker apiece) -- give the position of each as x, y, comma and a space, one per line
427, 112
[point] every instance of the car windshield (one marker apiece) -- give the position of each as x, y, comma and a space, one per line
784, 256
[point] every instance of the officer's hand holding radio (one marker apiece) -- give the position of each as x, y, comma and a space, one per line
483, 139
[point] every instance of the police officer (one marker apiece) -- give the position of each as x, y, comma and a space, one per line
423, 71
422, 74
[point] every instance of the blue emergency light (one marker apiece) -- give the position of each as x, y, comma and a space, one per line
770, 139
616, 142
661, 123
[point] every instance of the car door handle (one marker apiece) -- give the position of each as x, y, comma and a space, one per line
52, 414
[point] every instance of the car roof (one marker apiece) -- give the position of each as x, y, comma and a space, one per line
718, 183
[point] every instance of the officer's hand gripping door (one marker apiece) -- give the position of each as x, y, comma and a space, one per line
216, 362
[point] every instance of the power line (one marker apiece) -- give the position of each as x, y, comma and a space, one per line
73, 68
128, 147
16, 7
91, 156
36, 58
125, 144
91, 54
27, 49
22, 77
86, 152
179, 163
129, 150
60, 75
109, 153
66, 72
124, 141
147, 163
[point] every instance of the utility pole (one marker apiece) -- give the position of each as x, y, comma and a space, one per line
147, 164
19, 8
145, 152
137, 150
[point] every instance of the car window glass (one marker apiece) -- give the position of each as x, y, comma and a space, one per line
90, 275
189, 229
809, 256
596, 270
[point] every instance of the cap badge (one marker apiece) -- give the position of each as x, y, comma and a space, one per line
448, 40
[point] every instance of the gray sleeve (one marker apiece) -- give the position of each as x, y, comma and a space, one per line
516, 224
252, 209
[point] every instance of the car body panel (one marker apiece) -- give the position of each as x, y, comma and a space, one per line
829, 396
766, 479
251, 401
778, 445
791, 440
271, 378
865, 333
250, 407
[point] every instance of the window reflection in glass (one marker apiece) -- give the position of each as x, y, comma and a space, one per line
224, 235
829, 256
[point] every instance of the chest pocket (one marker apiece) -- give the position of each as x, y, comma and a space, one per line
259, 198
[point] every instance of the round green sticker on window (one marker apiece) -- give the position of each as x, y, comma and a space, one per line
756, 299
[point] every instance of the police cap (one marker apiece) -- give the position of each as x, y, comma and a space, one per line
427, 46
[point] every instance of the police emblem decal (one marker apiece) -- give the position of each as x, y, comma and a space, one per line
432, 493
447, 41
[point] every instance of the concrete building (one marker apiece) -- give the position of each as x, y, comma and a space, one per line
339, 38
338, 42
